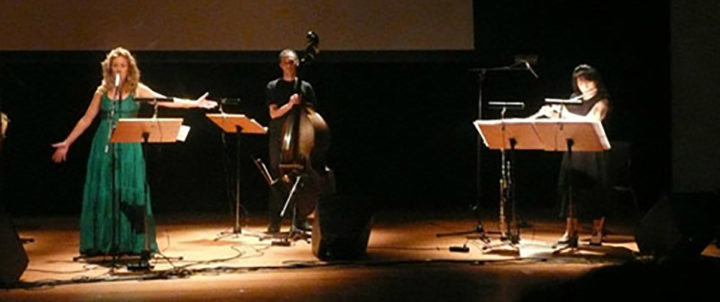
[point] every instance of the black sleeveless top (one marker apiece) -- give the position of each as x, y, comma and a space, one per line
587, 105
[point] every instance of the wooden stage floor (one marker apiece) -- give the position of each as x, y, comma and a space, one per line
405, 261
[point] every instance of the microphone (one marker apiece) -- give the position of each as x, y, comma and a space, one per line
529, 68
506, 105
113, 108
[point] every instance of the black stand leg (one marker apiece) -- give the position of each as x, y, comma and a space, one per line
572, 242
571, 204
146, 254
237, 229
513, 227
478, 163
114, 249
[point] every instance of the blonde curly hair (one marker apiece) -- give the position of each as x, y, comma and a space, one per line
133, 77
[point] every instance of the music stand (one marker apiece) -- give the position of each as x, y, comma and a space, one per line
239, 124
508, 134
571, 135
586, 135
231, 123
145, 130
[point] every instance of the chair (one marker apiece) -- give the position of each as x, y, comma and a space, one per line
620, 171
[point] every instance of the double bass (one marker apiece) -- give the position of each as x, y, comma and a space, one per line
304, 146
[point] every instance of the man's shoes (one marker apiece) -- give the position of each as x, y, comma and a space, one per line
273, 228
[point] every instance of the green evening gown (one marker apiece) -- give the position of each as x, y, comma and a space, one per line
96, 219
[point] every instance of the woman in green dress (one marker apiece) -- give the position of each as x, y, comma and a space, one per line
98, 232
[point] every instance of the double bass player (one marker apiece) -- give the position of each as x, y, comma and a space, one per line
282, 94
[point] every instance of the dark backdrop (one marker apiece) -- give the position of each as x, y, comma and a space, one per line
400, 121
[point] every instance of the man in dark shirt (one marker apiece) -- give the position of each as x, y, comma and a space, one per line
281, 95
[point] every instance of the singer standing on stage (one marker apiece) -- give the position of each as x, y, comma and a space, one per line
590, 185
114, 99
281, 95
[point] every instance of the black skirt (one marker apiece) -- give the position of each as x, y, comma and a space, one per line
588, 175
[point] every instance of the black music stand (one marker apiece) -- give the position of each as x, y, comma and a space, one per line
238, 124
571, 135
502, 135
144, 131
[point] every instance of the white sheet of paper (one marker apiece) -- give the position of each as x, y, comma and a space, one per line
182, 134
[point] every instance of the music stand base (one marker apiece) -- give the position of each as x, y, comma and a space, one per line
235, 233
506, 240
141, 265
479, 232
460, 249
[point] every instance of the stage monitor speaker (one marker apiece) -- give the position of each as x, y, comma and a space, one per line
341, 229
13, 259
679, 226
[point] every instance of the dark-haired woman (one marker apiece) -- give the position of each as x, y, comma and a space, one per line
587, 171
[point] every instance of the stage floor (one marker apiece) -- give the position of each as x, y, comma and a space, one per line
405, 260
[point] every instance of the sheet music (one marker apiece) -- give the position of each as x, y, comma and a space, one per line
543, 134
183, 133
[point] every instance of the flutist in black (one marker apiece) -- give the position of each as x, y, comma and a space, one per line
589, 169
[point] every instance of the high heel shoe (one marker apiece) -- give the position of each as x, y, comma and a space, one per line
598, 229
571, 239
596, 239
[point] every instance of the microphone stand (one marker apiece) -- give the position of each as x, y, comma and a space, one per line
114, 104
479, 229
